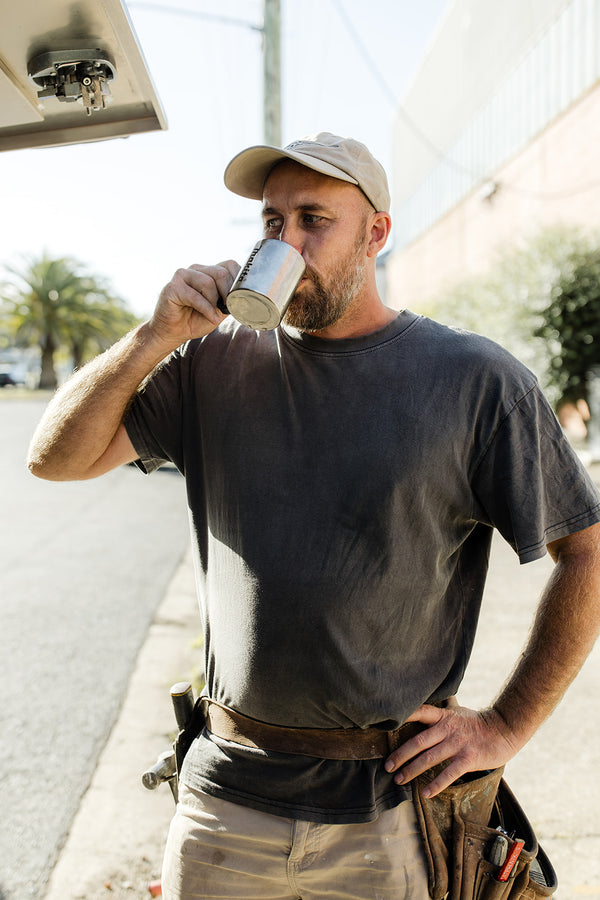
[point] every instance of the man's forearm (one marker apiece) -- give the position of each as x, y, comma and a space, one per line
84, 416
564, 631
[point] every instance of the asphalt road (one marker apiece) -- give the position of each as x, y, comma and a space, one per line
83, 567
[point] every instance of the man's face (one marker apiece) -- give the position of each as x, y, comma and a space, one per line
326, 221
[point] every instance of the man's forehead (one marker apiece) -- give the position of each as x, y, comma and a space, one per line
288, 170
312, 206
312, 188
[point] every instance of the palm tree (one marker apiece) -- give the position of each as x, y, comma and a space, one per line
96, 322
55, 304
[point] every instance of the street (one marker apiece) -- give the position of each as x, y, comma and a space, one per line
83, 568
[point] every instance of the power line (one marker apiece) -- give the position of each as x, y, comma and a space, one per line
393, 99
424, 139
371, 65
195, 14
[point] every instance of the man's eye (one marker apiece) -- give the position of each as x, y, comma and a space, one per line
311, 219
272, 224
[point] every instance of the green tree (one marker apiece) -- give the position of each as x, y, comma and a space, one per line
571, 324
96, 323
54, 303
510, 301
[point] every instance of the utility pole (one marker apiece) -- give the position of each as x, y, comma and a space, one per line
272, 72
271, 48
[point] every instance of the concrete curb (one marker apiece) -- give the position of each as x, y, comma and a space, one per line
115, 845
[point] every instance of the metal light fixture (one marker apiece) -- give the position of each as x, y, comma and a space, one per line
72, 75
72, 72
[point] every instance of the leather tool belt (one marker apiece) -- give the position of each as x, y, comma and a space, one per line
459, 827
462, 828
324, 743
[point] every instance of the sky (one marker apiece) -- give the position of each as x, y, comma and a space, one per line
135, 210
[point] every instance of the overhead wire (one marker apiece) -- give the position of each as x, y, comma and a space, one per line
392, 97
195, 14
422, 137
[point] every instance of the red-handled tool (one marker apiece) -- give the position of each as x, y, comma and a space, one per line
511, 859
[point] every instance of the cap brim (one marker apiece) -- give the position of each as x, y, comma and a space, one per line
247, 172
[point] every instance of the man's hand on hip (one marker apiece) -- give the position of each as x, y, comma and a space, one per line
469, 741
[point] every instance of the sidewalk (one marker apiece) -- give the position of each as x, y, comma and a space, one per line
115, 845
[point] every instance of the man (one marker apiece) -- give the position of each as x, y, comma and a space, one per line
344, 475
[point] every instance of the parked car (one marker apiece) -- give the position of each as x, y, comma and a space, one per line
6, 379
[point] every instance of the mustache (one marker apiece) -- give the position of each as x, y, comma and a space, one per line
312, 275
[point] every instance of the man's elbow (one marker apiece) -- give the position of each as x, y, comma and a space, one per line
48, 470
76, 460
51, 464
584, 544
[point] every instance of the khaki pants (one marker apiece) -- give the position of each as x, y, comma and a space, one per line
217, 849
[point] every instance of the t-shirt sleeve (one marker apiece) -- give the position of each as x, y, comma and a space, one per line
530, 483
154, 422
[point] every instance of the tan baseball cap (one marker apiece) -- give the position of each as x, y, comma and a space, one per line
330, 154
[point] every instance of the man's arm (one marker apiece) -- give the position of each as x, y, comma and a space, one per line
564, 631
81, 434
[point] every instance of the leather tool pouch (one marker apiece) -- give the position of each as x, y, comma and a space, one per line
459, 827
191, 730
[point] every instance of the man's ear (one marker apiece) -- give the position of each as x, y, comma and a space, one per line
379, 230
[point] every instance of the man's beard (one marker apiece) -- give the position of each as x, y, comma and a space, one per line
323, 302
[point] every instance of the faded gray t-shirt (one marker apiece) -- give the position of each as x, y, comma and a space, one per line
342, 497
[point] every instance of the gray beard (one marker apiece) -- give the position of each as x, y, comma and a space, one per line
323, 304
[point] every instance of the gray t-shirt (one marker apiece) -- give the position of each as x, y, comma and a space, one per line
342, 498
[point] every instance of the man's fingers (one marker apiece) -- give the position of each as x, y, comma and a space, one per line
214, 282
187, 292
232, 267
445, 778
420, 743
422, 752
462, 739
208, 281
201, 287
457, 764
426, 714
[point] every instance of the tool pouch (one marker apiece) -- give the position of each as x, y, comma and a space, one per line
459, 826
191, 730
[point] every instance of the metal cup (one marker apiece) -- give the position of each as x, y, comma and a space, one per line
265, 285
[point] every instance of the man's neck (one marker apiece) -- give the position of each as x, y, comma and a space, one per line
358, 321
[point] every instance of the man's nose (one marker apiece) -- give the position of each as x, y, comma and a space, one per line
292, 235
